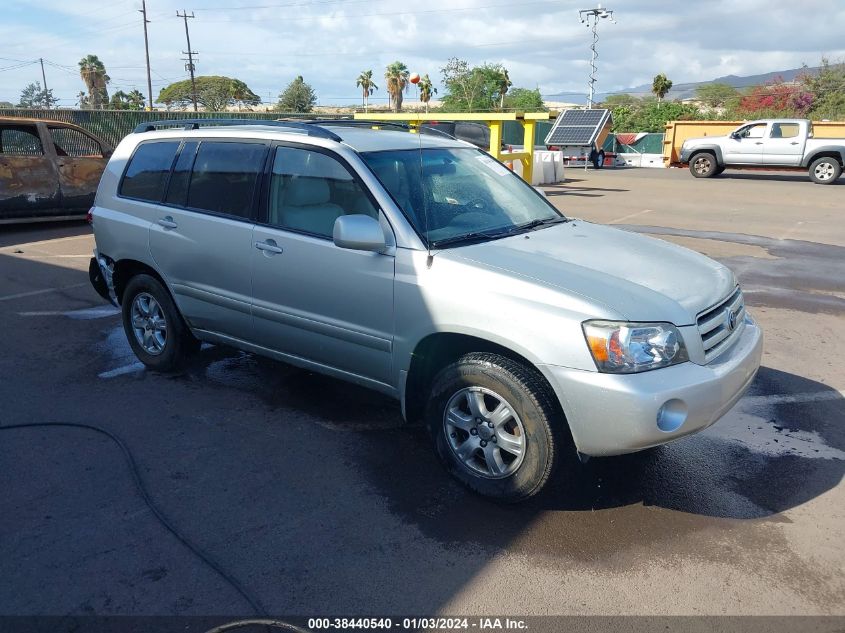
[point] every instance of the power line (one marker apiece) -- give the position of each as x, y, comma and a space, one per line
190, 65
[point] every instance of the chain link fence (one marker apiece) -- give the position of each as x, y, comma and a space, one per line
113, 125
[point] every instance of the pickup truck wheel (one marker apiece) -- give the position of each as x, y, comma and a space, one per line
155, 329
703, 165
825, 170
495, 426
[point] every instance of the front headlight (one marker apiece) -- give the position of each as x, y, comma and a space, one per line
626, 348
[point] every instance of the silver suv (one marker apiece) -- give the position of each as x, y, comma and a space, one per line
422, 268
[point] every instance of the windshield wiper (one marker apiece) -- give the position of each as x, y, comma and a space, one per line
533, 224
468, 237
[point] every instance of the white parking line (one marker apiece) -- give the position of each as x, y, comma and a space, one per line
794, 398
629, 216
33, 293
53, 241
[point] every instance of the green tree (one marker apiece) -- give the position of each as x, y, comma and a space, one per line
34, 97
717, 95
137, 100
660, 87
214, 93
396, 76
7, 105
123, 101
621, 99
427, 89
648, 115
367, 85
524, 100
297, 97
93, 73
471, 89
828, 89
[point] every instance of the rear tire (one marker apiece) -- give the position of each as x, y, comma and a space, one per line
825, 170
156, 331
598, 159
703, 165
495, 426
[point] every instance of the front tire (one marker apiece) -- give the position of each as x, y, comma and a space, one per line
703, 165
495, 426
825, 170
156, 331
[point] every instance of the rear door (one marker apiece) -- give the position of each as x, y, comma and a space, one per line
201, 236
746, 147
80, 159
29, 181
784, 144
312, 299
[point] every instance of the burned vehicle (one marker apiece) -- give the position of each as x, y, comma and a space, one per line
49, 170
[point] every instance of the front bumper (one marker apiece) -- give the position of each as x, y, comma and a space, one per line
612, 414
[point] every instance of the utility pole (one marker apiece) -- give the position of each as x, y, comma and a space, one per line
591, 18
44, 78
143, 12
190, 53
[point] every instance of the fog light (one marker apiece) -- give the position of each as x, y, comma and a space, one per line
672, 415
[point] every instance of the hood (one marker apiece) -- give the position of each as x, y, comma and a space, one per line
640, 278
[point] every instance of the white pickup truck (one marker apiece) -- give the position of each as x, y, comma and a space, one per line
775, 143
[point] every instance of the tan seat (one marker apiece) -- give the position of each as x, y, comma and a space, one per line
306, 206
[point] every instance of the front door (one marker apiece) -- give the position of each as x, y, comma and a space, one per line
201, 237
745, 147
312, 299
784, 145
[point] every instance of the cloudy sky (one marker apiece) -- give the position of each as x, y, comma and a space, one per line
267, 42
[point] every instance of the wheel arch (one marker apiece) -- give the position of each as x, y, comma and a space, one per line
826, 152
710, 149
126, 269
437, 350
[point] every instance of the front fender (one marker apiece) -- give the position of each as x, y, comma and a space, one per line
688, 153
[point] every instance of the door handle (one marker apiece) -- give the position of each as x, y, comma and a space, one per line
269, 247
759, 143
794, 143
168, 223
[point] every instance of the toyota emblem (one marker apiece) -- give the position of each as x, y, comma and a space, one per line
730, 320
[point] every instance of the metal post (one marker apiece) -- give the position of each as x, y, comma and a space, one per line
143, 12
44, 78
591, 18
190, 53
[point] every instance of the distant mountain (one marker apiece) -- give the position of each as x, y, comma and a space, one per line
687, 90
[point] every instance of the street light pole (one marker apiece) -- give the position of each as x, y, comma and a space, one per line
591, 17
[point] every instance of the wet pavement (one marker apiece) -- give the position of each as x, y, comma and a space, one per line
318, 500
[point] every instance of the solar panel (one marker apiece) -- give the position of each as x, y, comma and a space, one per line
577, 127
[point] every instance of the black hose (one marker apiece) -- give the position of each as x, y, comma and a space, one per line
139, 484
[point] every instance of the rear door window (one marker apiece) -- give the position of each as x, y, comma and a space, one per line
146, 174
20, 140
224, 177
177, 190
75, 143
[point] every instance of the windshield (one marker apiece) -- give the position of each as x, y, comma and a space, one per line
453, 195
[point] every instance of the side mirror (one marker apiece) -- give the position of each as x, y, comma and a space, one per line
735, 136
541, 191
358, 233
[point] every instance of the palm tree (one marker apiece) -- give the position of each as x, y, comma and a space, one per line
136, 100
426, 90
93, 73
504, 84
367, 85
660, 86
396, 75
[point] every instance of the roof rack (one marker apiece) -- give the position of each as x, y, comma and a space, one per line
424, 127
195, 124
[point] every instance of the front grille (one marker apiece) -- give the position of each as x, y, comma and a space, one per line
714, 324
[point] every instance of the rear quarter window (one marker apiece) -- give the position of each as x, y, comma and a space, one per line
146, 174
